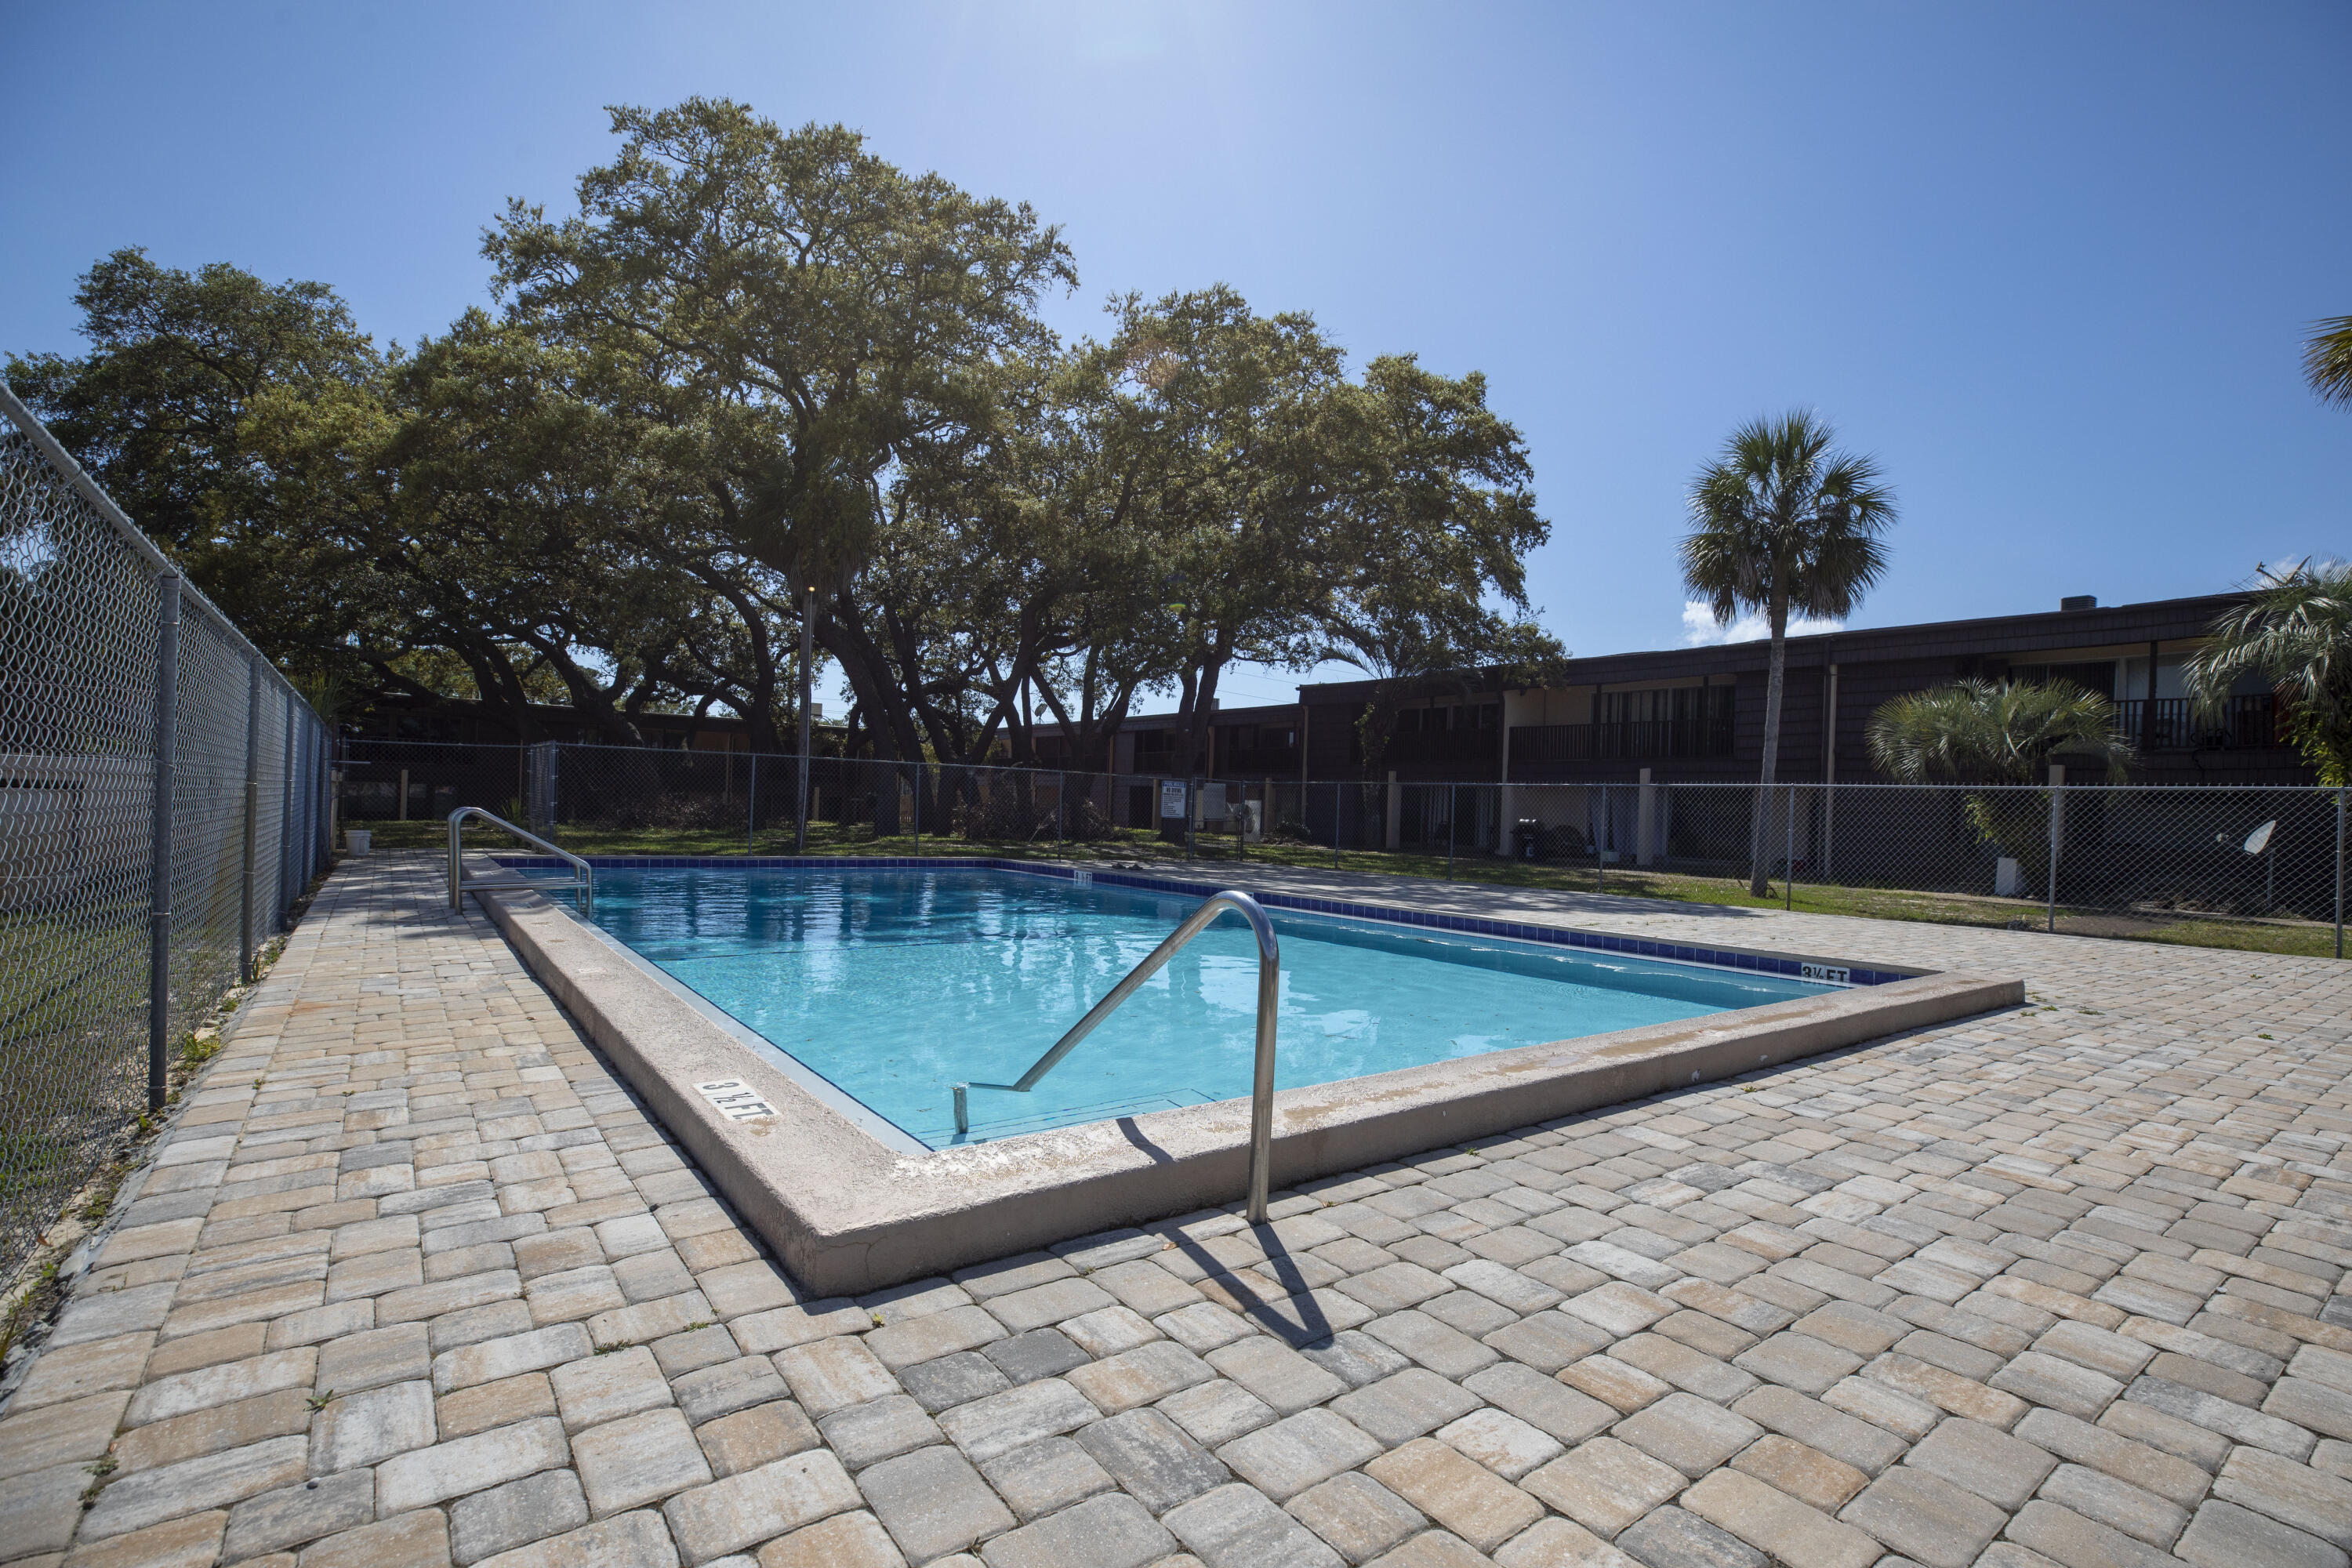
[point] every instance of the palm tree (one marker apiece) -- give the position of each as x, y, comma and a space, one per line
2327, 360
1988, 732
1784, 524
2294, 631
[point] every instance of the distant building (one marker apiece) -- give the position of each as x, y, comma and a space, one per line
1697, 714
401, 760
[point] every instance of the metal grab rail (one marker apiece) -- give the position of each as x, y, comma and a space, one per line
583, 881
1269, 985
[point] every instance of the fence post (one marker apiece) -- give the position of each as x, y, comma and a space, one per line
1192, 812
1061, 793
1336, 803
159, 905
245, 942
1788, 864
752, 809
284, 895
1646, 814
1829, 826
1600, 837
1452, 798
808, 633
2057, 791
2339, 870
919, 810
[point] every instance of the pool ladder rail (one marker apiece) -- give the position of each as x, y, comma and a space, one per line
1269, 988
584, 877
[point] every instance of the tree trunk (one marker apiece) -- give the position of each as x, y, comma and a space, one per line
1200, 712
1759, 881
760, 699
591, 698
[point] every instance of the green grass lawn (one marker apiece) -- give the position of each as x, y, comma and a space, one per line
73, 1049
2306, 939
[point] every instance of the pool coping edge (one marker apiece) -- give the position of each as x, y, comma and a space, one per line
846, 1214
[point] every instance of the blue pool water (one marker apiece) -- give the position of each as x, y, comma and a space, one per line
894, 984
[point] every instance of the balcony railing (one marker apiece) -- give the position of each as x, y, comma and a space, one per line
1624, 740
2173, 724
1250, 761
1444, 746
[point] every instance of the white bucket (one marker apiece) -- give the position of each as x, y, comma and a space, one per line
357, 839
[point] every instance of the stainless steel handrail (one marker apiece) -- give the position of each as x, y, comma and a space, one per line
1269, 987
583, 881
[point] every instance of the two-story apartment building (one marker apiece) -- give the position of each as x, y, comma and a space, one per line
1697, 713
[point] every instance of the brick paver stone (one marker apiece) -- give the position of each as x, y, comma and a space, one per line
1286, 1459
637, 1460
427, 1476
1002, 1422
629, 1540
1778, 1524
1152, 1458
1047, 1476
845, 1540
1500, 1441
1109, 1531
1604, 1485
1235, 1527
2224, 1535
516, 1514
1356, 1516
755, 1505
933, 1502
1458, 1493
1925, 1516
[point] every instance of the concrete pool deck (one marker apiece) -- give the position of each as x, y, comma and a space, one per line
417, 1280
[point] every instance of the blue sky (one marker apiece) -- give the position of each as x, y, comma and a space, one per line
2052, 264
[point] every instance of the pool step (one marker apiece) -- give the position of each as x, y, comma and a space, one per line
943, 1135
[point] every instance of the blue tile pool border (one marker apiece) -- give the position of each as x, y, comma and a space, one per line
1783, 966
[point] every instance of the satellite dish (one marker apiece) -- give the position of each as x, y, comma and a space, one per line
2260, 838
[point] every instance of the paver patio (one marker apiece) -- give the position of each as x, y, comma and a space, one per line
416, 1281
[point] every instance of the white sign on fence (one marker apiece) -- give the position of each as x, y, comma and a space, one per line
1171, 797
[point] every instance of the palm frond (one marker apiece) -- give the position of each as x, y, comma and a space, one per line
2327, 360
2294, 633
1984, 731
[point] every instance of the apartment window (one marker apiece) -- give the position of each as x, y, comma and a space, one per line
1672, 703
1453, 716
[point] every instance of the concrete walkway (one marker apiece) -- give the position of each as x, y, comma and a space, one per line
416, 1281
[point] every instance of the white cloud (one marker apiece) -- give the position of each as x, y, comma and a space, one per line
1699, 627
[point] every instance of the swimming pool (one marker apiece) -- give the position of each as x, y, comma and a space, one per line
895, 984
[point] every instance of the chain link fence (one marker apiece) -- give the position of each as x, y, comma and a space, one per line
162, 803
2095, 858
424, 780
2101, 859
699, 802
